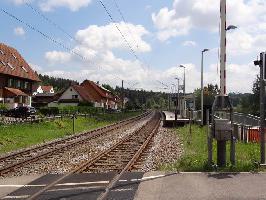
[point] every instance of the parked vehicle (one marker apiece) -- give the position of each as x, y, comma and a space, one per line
22, 112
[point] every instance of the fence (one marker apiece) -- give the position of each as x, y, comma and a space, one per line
245, 126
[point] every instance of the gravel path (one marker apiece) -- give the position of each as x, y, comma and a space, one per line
67, 160
166, 149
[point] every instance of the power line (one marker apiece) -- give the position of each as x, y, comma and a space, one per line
129, 30
47, 37
124, 20
50, 21
123, 36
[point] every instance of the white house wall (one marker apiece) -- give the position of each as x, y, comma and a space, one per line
68, 94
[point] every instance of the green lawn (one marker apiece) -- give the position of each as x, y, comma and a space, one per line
13, 137
194, 157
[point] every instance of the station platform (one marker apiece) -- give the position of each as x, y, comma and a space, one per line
142, 186
169, 119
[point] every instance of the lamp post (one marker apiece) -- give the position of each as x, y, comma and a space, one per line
184, 88
201, 92
184, 80
177, 99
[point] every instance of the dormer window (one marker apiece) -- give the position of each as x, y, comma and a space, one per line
24, 69
14, 56
1, 52
9, 65
3, 63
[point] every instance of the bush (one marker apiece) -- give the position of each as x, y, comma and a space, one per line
85, 104
3, 107
49, 111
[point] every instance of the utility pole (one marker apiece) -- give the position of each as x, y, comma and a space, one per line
262, 109
262, 64
201, 91
184, 92
177, 99
122, 95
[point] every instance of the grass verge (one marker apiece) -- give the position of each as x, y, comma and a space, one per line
13, 137
194, 158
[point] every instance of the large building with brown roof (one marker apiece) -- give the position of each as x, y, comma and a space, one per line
91, 92
16, 78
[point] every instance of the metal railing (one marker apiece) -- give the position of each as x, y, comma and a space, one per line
238, 118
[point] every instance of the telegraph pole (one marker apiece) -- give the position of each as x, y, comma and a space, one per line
122, 95
262, 108
262, 64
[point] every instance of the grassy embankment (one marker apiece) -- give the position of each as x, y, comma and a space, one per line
13, 137
195, 154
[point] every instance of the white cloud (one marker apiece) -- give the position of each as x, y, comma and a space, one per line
35, 67
204, 15
189, 43
19, 2
58, 57
50, 5
19, 31
132, 72
108, 37
169, 25
241, 42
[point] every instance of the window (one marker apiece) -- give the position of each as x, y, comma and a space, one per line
3, 63
18, 84
10, 82
14, 56
26, 86
9, 65
75, 97
24, 69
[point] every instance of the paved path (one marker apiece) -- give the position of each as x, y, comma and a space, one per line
148, 186
203, 186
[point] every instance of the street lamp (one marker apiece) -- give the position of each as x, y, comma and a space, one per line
184, 81
184, 90
177, 99
231, 27
201, 102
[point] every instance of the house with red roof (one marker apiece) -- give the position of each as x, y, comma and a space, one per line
89, 91
44, 89
17, 78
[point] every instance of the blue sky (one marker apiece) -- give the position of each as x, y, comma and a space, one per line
168, 33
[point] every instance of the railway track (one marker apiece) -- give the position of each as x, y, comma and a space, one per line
125, 155
15, 160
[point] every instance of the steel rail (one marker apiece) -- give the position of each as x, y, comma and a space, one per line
130, 164
90, 135
86, 164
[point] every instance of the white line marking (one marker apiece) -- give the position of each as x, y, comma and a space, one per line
16, 197
84, 183
22, 186
123, 190
61, 184
76, 188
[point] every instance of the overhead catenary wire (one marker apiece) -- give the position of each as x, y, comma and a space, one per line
119, 30
125, 21
56, 25
129, 30
46, 36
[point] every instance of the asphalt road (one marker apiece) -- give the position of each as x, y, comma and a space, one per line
80, 186
148, 186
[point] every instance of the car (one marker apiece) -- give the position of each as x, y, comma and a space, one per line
22, 112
